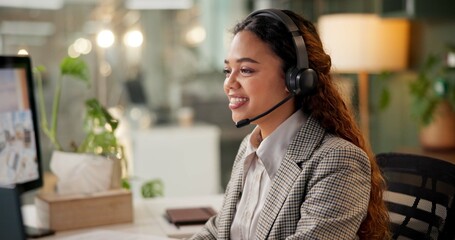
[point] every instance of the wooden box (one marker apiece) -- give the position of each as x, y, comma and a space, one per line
66, 212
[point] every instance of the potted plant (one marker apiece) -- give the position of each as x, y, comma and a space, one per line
433, 101
96, 163
100, 151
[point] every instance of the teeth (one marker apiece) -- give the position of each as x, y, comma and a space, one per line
237, 100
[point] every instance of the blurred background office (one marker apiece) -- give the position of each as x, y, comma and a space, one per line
156, 62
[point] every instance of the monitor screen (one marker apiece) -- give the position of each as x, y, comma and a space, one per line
19, 145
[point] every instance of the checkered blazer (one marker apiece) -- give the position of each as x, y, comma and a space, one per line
321, 191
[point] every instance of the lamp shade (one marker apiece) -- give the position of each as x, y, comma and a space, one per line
365, 42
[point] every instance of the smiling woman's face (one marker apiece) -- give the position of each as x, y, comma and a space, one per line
254, 80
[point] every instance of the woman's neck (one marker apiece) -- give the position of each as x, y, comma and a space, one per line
269, 123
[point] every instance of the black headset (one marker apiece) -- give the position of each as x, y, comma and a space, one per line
300, 79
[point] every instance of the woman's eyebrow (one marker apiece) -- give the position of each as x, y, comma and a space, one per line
245, 59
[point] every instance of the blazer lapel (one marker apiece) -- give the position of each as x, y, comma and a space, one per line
232, 197
301, 149
282, 184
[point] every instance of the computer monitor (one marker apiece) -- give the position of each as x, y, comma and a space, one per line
20, 160
11, 223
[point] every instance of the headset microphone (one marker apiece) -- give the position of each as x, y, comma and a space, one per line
244, 122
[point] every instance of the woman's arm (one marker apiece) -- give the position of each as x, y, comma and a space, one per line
208, 232
338, 194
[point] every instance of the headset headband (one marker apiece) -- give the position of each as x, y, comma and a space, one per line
299, 43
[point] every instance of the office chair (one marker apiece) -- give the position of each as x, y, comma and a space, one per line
420, 195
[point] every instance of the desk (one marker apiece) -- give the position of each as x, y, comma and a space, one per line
148, 218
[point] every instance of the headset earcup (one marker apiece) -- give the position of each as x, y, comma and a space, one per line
307, 80
291, 83
301, 81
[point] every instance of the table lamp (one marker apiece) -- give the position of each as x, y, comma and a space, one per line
363, 44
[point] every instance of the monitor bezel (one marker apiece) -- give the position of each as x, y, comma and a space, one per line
25, 62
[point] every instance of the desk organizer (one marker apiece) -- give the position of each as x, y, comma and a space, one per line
67, 212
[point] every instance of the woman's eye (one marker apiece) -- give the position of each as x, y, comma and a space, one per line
226, 72
246, 71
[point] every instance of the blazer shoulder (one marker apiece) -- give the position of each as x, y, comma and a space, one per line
341, 149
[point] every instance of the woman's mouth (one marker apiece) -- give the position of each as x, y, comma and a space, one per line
236, 102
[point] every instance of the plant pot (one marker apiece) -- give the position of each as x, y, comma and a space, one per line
440, 133
82, 173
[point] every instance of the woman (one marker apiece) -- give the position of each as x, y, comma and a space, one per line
305, 171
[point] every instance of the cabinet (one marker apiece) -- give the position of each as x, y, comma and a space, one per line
186, 159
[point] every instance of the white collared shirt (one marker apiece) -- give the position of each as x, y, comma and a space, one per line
261, 163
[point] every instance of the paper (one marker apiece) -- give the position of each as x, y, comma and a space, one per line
112, 235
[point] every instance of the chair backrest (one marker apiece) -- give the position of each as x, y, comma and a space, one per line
420, 195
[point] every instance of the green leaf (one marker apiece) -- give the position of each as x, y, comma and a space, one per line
96, 111
39, 69
152, 188
423, 109
76, 68
126, 184
384, 75
384, 99
100, 127
435, 83
385, 96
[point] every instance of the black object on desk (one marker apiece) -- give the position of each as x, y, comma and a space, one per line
189, 216
11, 223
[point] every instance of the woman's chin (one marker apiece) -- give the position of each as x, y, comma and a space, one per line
236, 118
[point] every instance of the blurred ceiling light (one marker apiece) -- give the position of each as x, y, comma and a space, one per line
105, 38
159, 4
22, 52
41, 4
105, 69
131, 17
133, 38
451, 59
83, 45
195, 35
72, 51
30, 28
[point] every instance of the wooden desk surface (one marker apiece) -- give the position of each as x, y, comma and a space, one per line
149, 221
448, 155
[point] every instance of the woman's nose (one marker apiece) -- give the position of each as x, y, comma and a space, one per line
231, 82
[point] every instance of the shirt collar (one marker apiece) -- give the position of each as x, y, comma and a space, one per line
253, 142
272, 149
